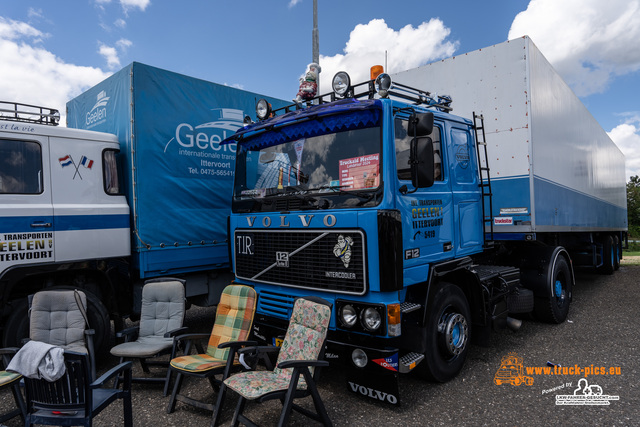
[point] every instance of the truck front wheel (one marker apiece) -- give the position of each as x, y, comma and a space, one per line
447, 334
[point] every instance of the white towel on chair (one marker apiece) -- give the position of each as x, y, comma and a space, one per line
37, 359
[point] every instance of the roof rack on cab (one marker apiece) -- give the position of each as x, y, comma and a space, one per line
380, 84
17, 112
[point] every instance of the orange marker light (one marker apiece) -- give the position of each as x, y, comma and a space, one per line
376, 70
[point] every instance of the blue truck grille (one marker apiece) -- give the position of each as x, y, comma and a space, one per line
323, 260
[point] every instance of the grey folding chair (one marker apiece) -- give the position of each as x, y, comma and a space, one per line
161, 317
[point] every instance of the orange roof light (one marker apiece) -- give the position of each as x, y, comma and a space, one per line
376, 70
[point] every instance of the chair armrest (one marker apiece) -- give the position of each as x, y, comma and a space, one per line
262, 349
191, 337
127, 332
237, 344
176, 332
116, 370
301, 363
9, 350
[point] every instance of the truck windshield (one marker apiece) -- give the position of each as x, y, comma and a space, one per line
331, 170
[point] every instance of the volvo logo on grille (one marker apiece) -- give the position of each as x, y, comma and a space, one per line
342, 249
282, 259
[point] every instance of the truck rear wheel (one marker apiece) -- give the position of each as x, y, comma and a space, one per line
618, 253
608, 255
555, 307
448, 334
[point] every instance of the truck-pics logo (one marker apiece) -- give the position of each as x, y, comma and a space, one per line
97, 114
342, 249
511, 371
67, 160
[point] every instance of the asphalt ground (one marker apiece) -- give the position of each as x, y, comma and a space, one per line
602, 331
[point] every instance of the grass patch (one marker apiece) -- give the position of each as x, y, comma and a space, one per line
630, 253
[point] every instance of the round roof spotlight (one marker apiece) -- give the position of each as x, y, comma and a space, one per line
341, 83
263, 109
383, 84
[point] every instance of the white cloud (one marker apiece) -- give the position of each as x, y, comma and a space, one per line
130, 4
111, 55
294, 2
124, 44
120, 23
32, 75
627, 138
406, 48
589, 42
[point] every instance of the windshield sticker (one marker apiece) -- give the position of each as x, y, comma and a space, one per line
360, 172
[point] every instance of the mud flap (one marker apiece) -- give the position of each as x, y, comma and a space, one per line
378, 380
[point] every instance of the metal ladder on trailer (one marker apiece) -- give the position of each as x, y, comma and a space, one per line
485, 178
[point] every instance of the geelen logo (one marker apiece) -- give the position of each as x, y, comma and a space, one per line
97, 114
207, 136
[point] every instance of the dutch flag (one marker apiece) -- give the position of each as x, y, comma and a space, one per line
84, 161
65, 161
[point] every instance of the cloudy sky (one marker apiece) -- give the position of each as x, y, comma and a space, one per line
53, 51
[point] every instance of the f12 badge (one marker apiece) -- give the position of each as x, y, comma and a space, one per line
282, 259
412, 253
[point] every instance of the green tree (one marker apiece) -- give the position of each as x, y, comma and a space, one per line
633, 205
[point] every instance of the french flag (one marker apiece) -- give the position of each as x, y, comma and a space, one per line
84, 161
65, 161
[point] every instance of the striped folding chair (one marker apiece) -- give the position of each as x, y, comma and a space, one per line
234, 317
11, 380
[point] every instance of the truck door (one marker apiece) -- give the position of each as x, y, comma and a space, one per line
90, 222
427, 213
26, 212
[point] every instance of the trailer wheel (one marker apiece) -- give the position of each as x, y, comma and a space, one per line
555, 307
448, 334
17, 326
608, 255
618, 252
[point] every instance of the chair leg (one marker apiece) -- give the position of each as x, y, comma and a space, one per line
239, 408
219, 403
176, 389
17, 396
287, 405
127, 410
317, 402
167, 381
116, 381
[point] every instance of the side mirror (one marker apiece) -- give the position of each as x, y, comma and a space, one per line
422, 164
420, 124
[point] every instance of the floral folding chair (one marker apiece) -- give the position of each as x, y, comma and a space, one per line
294, 375
231, 330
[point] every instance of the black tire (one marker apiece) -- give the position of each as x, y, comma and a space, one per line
555, 307
17, 326
99, 321
618, 253
448, 334
608, 255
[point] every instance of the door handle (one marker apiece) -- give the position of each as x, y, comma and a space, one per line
41, 225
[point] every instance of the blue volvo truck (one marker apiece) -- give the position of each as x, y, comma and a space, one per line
424, 229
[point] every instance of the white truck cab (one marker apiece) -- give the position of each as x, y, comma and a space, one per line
61, 205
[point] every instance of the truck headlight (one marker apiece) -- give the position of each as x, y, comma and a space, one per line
348, 315
371, 319
341, 83
263, 109
359, 358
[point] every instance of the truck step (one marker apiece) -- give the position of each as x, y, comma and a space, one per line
408, 307
409, 361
